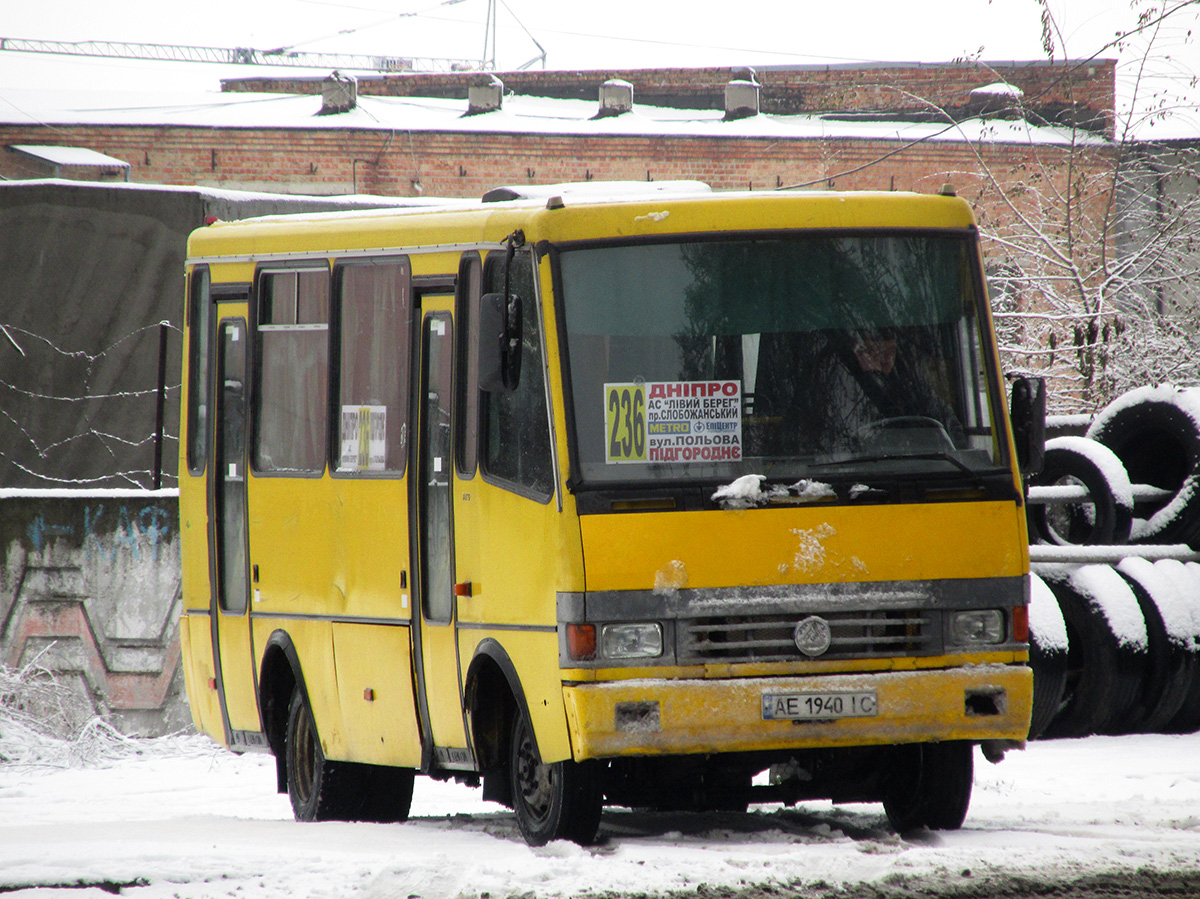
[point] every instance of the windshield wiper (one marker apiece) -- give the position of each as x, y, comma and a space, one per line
901, 457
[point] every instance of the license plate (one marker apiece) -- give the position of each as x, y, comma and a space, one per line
819, 706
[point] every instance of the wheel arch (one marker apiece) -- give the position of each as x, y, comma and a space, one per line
493, 694
279, 676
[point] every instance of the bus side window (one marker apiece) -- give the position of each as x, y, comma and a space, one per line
375, 320
199, 312
515, 424
293, 364
466, 302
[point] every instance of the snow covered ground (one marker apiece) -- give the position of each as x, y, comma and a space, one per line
180, 817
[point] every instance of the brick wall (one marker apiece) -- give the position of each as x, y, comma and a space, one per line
454, 164
1003, 181
1080, 91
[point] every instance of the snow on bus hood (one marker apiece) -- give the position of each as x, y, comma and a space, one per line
747, 491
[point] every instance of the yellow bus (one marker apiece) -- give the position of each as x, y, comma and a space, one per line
658, 498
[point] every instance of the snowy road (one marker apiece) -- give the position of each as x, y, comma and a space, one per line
186, 819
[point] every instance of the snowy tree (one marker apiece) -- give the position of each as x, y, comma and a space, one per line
1094, 245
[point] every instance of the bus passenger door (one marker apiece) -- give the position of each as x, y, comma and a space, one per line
437, 664
233, 658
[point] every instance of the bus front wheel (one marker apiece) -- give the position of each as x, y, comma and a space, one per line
560, 800
929, 786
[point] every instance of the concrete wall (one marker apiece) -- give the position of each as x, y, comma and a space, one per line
87, 272
90, 590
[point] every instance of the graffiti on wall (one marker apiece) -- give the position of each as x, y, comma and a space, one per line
90, 590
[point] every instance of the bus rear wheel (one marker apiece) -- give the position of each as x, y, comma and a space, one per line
314, 784
929, 786
556, 801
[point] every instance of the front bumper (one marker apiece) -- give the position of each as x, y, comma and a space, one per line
670, 717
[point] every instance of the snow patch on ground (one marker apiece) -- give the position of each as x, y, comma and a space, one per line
186, 818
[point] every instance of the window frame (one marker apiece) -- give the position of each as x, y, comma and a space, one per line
531, 312
201, 328
434, 615
318, 264
334, 391
467, 397
994, 376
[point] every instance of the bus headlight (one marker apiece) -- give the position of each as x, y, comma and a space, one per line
976, 627
640, 640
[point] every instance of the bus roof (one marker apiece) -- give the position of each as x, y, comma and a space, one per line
570, 212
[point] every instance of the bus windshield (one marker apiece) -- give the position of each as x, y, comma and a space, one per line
796, 356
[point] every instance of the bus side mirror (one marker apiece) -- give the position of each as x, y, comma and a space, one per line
1028, 415
500, 323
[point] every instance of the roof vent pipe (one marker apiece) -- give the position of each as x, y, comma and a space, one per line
616, 98
484, 94
741, 99
339, 93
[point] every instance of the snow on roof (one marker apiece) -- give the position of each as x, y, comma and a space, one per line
220, 193
519, 115
71, 156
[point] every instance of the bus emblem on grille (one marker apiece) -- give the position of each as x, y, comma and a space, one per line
813, 636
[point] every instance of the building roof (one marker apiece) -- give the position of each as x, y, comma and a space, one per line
69, 156
518, 115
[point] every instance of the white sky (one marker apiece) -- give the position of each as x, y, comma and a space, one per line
617, 33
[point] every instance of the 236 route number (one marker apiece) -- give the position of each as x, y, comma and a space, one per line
625, 422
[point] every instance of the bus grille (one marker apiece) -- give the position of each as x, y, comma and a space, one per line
763, 638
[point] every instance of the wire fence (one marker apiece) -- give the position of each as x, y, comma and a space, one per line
75, 417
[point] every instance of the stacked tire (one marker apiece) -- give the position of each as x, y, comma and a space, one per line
1105, 518
1123, 653
1155, 432
1115, 649
1048, 650
1149, 437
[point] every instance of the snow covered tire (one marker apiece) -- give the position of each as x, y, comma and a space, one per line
1106, 518
1170, 630
1106, 654
1155, 432
1048, 646
1186, 579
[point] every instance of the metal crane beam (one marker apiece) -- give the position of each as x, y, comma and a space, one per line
345, 62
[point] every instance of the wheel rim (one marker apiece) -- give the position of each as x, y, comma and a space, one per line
304, 757
535, 781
